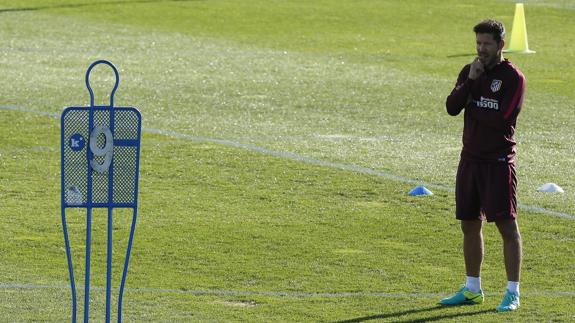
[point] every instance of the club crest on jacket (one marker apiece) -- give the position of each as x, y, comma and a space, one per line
496, 85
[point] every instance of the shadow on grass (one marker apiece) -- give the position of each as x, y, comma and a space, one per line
416, 311
86, 4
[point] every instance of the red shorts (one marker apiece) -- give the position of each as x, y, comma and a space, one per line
485, 191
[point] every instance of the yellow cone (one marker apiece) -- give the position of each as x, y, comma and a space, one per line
518, 42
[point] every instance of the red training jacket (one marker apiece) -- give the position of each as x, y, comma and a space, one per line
492, 103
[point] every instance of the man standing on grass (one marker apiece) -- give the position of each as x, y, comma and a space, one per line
490, 89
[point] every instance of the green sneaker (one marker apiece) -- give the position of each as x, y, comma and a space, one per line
463, 297
510, 302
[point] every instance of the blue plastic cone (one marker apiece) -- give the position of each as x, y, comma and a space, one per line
420, 190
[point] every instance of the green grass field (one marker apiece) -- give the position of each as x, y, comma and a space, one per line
281, 139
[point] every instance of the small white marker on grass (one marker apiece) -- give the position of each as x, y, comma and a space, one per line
550, 188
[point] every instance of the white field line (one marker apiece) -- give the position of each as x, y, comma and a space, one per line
307, 160
295, 157
223, 292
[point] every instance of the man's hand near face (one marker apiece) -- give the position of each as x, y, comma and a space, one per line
476, 69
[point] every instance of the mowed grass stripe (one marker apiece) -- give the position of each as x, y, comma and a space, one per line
278, 293
295, 157
209, 308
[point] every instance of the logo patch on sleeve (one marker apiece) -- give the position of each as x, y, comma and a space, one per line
496, 85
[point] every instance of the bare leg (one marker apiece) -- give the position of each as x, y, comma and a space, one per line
472, 246
512, 253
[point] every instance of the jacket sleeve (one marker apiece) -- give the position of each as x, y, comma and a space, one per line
460, 94
509, 107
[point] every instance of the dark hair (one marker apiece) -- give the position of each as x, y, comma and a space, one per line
490, 26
